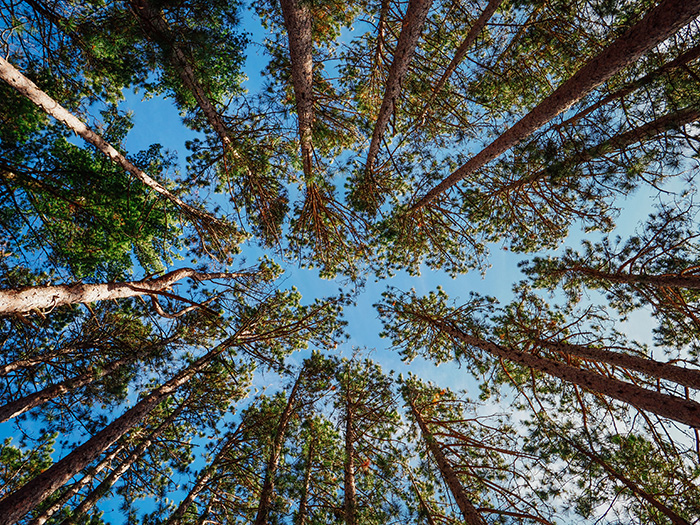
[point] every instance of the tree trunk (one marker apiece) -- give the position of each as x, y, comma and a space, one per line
23, 404
96, 494
350, 492
690, 282
16, 505
656, 369
30, 90
671, 407
303, 511
297, 21
75, 488
413, 22
660, 23
45, 297
275, 455
685, 58
471, 515
461, 52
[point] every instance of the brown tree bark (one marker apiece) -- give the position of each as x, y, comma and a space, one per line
44, 297
28, 89
672, 280
303, 511
469, 512
15, 505
678, 409
275, 455
660, 23
20, 406
413, 22
297, 20
349, 485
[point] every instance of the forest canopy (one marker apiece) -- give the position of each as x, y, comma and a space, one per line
186, 332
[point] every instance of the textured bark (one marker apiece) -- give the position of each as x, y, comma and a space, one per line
203, 480
637, 135
350, 488
416, 13
26, 403
98, 492
15, 505
685, 58
28, 89
673, 280
461, 52
43, 297
469, 512
671, 407
297, 21
656, 369
75, 488
660, 23
303, 512
275, 455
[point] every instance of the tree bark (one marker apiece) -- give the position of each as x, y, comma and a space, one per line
660, 23
469, 512
297, 21
28, 89
413, 22
350, 488
23, 404
678, 409
689, 282
44, 297
302, 513
14, 506
275, 455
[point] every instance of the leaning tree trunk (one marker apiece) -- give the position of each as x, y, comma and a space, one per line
671, 407
298, 22
690, 282
416, 13
16, 505
28, 89
97, 493
45, 297
659, 24
275, 455
469, 512
26, 403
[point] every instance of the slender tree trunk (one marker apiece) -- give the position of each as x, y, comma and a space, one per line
203, 479
660, 23
671, 407
275, 455
75, 488
30, 90
96, 494
637, 135
350, 492
16, 505
297, 21
26, 403
656, 369
471, 515
33, 361
685, 58
461, 52
413, 22
44, 297
303, 511
690, 282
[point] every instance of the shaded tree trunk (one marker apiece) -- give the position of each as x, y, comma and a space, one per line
471, 515
350, 488
303, 511
28, 89
660, 23
275, 455
43, 297
673, 280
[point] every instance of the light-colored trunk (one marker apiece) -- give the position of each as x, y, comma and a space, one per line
671, 407
303, 511
275, 455
45, 297
26, 403
350, 488
469, 512
14, 506
28, 89
297, 21
416, 13
659, 24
